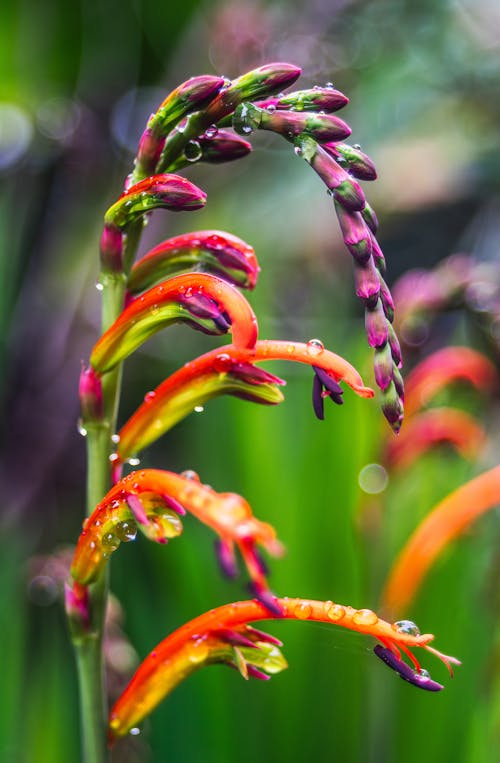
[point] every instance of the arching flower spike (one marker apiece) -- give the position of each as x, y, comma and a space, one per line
440, 527
229, 370
225, 255
211, 637
429, 428
443, 367
206, 302
150, 500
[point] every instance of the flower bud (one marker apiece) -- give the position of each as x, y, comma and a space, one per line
90, 392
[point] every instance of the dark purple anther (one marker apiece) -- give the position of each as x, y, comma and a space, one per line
205, 307
404, 670
226, 558
267, 598
263, 636
234, 638
330, 384
254, 375
318, 400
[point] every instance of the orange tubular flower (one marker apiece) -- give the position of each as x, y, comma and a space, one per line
206, 302
443, 367
230, 370
444, 523
223, 635
431, 427
226, 255
150, 500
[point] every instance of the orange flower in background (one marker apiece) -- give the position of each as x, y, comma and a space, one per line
442, 525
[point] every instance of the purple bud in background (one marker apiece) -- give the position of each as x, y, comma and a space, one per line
356, 234
383, 366
367, 282
376, 325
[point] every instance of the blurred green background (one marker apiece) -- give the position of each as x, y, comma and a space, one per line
78, 81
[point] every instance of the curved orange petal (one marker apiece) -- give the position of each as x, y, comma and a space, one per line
443, 367
442, 525
431, 427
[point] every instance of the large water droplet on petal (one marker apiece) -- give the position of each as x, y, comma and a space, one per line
302, 611
126, 531
110, 541
192, 151
365, 617
190, 474
315, 347
406, 626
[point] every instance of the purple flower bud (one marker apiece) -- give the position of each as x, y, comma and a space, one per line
355, 232
359, 164
149, 152
349, 194
387, 302
370, 217
111, 247
398, 383
90, 393
225, 146
262, 636
321, 127
395, 347
367, 282
405, 671
376, 325
392, 407
192, 95
383, 366
377, 254
254, 375
234, 638
316, 99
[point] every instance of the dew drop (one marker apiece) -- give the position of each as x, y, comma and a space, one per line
365, 617
114, 457
334, 612
149, 396
271, 108
357, 146
373, 479
406, 626
198, 651
190, 474
198, 409
99, 286
81, 429
110, 541
315, 347
424, 673
192, 151
329, 85
133, 461
115, 438
126, 531
135, 731
211, 132
297, 151
222, 363
302, 611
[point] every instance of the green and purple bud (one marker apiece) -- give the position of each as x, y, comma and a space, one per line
359, 164
370, 218
355, 233
392, 406
316, 99
345, 190
367, 283
111, 249
290, 124
220, 253
383, 366
90, 393
376, 325
194, 94
164, 191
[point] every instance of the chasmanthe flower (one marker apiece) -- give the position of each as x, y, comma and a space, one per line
231, 370
224, 635
225, 255
151, 500
202, 300
452, 516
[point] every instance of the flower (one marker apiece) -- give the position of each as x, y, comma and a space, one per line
224, 635
231, 370
441, 526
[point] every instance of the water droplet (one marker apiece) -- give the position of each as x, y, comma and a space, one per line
365, 617
190, 474
181, 127
99, 286
315, 347
222, 363
126, 531
297, 151
133, 461
149, 396
329, 85
198, 409
81, 429
211, 132
110, 541
357, 146
92, 544
334, 612
135, 731
192, 151
406, 626
373, 479
424, 673
302, 611
199, 651
271, 108
115, 438
114, 457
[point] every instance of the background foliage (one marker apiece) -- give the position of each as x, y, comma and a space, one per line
78, 81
